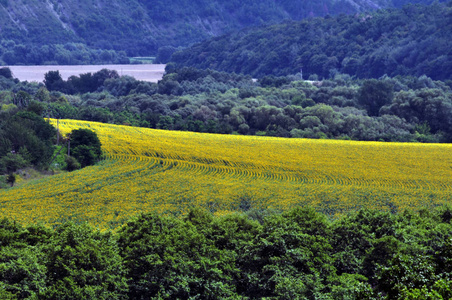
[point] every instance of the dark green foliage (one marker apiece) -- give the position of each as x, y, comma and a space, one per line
82, 32
85, 155
57, 51
22, 99
72, 164
6, 72
12, 162
11, 179
86, 137
27, 138
366, 45
174, 259
218, 102
22, 273
297, 254
164, 54
431, 106
54, 81
9, 232
290, 257
88, 83
402, 109
85, 147
83, 264
374, 94
36, 107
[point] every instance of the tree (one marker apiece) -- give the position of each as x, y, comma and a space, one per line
30, 132
6, 72
53, 81
72, 164
290, 257
22, 99
374, 94
22, 270
86, 146
11, 179
86, 137
83, 264
164, 54
13, 161
85, 155
42, 95
167, 257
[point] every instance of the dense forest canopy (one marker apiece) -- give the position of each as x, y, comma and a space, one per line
84, 32
299, 253
414, 40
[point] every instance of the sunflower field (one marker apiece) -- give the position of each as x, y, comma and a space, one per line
170, 172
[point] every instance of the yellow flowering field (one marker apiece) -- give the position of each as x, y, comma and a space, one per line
170, 171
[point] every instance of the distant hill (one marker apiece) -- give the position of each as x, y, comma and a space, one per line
414, 40
141, 27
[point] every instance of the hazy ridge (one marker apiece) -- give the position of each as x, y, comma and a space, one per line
140, 27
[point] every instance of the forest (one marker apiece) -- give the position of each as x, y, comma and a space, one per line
404, 109
62, 54
92, 32
413, 40
297, 253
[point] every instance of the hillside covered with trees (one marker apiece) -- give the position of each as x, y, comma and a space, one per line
414, 40
86, 32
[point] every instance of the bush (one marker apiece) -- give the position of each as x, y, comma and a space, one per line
85, 155
86, 147
12, 162
72, 164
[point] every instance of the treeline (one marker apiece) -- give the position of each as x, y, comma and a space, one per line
13, 53
260, 254
412, 41
27, 140
405, 109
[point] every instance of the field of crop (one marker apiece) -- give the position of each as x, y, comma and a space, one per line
169, 172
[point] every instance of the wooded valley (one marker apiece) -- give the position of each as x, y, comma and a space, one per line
292, 150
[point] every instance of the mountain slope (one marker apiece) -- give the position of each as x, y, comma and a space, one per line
140, 27
414, 40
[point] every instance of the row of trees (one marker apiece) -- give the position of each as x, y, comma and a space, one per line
12, 53
390, 109
409, 41
296, 254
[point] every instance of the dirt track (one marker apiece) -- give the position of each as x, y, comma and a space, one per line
147, 72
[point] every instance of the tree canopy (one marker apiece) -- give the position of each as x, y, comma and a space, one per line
412, 40
296, 254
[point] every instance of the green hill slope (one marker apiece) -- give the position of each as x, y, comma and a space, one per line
141, 27
414, 40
